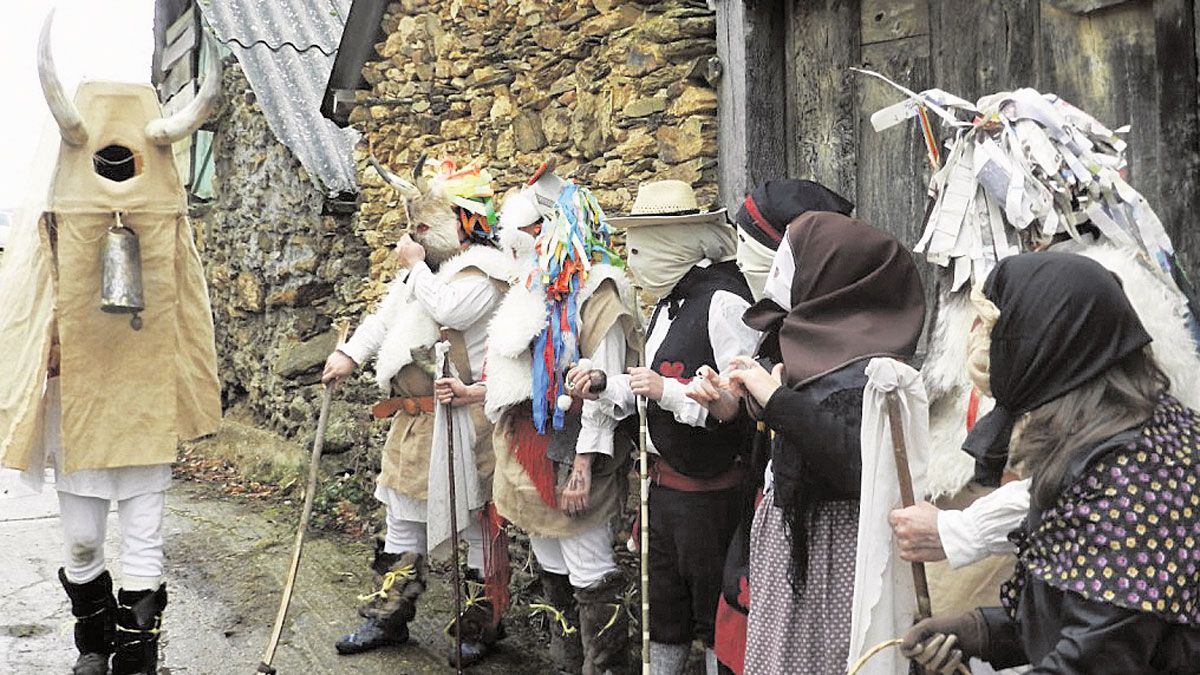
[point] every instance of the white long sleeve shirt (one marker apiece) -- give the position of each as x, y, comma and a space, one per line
600, 417
982, 528
727, 334
463, 304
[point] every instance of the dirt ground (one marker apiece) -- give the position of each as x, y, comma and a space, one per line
226, 561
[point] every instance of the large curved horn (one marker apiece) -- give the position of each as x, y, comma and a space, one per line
70, 123
405, 188
182, 124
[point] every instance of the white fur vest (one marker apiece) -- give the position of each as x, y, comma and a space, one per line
516, 324
407, 323
1159, 304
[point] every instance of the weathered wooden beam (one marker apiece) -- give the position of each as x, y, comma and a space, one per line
751, 99
884, 20
994, 47
1084, 6
822, 121
1178, 153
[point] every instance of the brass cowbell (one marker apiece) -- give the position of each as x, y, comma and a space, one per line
121, 273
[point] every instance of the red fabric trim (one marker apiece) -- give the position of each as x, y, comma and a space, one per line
496, 569
729, 643
665, 475
972, 409
766, 227
531, 454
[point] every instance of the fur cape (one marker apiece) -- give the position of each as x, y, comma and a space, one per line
1159, 304
410, 327
516, 324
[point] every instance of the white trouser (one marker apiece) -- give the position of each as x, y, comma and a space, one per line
585, 558
410, 535
85, 520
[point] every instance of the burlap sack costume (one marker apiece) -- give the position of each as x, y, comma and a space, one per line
405, 461
606, 301
128, 397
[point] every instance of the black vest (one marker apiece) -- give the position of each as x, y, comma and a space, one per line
699, 452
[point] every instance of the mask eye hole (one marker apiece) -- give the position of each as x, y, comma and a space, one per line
633, 251
116, 163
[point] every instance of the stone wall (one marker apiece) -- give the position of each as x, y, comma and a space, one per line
281, 264
618, 92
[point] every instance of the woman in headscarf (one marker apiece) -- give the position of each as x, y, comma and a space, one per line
761, 223
839, 292
1108, 570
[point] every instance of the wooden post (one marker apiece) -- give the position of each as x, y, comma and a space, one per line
751, 96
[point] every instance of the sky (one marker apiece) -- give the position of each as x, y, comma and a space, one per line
92, 39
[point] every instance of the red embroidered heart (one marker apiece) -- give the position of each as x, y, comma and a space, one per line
672, 370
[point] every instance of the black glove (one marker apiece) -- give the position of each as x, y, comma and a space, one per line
941, 643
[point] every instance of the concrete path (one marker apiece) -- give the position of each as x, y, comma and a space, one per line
225, 567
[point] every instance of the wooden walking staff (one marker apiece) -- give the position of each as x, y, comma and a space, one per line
314, 465
644, 532
900, 451
458, 603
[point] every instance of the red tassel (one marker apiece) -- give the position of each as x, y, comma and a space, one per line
531, 454
972, 409
495, 560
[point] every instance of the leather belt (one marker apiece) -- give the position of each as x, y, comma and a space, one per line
411, 405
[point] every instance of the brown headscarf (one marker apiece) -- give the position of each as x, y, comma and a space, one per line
855, 293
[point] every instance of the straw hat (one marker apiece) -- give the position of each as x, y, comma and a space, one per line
666, 202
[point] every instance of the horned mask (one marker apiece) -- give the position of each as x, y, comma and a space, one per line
108, 184
445, 206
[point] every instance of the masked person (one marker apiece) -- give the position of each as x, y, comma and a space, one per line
562, 486
764, 216
1107, 570
102, 397
761, 223
1124, 235
839, 293
452, 276
683, 259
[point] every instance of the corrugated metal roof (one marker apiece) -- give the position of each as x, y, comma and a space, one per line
287, 49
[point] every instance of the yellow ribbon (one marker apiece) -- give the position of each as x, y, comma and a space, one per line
555, 615
389, 580
612, 620
474, 597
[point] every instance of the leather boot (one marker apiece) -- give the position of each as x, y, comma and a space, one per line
94, 609
566, 647
139, 622
479, 633
399, 581
605, 626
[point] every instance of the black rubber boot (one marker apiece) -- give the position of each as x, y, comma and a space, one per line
605, 627
479, 633
139, 622
399, 581
566, 647
94, 609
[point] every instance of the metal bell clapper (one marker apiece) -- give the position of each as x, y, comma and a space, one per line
121, 273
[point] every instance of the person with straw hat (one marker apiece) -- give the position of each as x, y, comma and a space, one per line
683, 259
